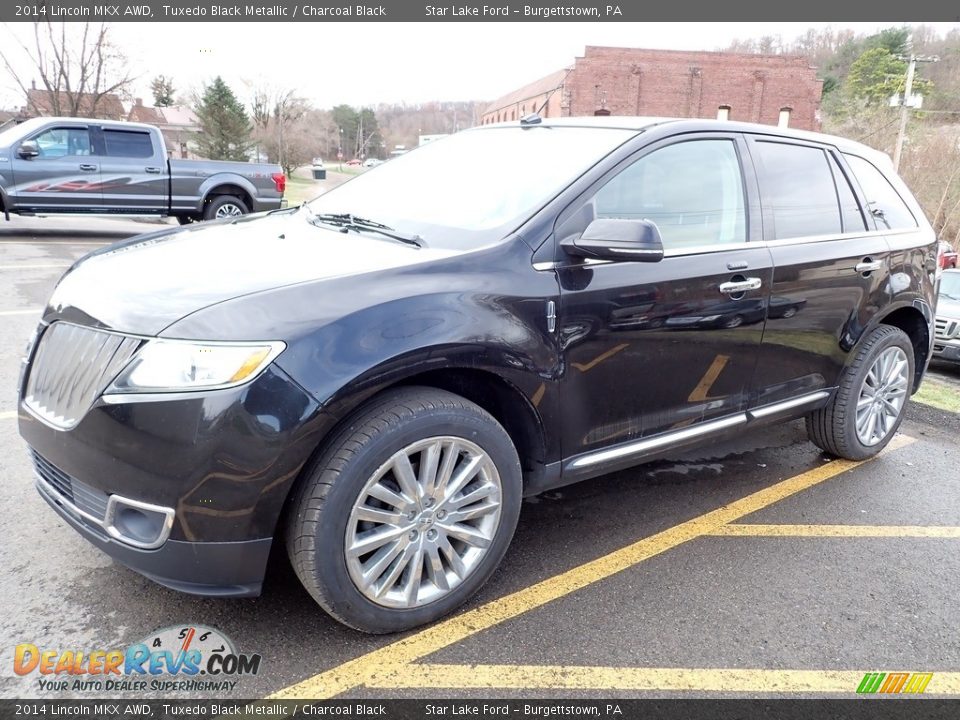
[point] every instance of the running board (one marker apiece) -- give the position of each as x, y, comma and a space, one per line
646, 446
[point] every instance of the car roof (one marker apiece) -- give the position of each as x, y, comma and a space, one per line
37, 122
643, 123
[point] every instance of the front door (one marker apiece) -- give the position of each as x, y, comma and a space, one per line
654, 347
64, 176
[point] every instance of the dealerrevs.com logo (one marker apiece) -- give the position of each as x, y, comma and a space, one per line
191, 658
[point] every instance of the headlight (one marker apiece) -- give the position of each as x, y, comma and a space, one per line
175, 366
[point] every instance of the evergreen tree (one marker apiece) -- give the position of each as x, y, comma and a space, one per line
224, 125
162, 88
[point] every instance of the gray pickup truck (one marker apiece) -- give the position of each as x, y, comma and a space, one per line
82, 166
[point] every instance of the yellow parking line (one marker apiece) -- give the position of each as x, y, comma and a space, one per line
32, 311
361, 671
567, 677
9, 415
33, 267
868, 531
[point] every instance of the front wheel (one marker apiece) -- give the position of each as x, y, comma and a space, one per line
407, 512
867, 409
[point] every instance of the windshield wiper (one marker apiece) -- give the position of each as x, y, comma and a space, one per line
347, 222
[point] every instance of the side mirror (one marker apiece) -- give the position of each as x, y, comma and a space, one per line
617, 239
28, 149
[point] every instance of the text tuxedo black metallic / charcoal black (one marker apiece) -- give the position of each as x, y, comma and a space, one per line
378, 377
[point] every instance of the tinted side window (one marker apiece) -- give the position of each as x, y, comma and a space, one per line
883, 202
797, 190
61, 142
126, 143
693, 191
849, 207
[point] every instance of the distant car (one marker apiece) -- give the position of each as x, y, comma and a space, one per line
354, 163
317, 163
947, 255
946, 342
372, 162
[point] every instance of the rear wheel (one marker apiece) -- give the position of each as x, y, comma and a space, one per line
224, 206
867, 409
407, 512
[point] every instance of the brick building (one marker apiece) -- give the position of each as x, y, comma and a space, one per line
770, 89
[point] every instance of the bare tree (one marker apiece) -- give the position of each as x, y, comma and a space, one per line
274, 112
77, 68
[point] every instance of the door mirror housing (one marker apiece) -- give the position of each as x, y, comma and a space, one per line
618, 239
28, 149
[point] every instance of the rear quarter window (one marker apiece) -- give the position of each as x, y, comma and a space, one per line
883, 201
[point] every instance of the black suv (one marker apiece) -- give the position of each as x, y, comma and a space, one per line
379, 376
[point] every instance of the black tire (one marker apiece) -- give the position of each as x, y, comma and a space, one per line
219, 203
318, 517
833, 428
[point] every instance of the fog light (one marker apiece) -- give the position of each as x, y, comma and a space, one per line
139, 524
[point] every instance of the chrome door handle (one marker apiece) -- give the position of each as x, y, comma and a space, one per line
88, 168
868, 265
732, 288
152, 170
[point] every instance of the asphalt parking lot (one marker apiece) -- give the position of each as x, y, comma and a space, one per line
758, 567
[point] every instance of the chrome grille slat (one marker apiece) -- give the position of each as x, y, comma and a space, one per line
71, 368
946, 329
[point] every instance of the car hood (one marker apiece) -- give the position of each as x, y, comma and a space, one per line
144, 284
947, 308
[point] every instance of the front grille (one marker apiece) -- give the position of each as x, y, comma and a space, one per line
71, 368
82, 496
947, 329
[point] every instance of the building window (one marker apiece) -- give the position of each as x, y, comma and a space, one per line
723, 112
784, 120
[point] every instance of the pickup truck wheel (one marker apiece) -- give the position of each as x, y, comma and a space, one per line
407, 511
224, 206
868, 406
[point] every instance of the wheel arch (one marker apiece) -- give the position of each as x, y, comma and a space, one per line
498, 396
233, 186
913, 320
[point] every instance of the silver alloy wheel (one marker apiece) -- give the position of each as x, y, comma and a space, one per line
228, 210
882, 396
423, 522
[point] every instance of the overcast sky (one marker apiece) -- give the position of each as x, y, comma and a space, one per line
367, 63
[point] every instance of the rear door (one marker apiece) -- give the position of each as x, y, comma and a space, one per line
654, 347
65, 176
133, 171
831, 272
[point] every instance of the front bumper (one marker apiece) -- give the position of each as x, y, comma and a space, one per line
946, 350
223, 569
222, 461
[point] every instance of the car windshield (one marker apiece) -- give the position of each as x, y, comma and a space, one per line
950, 286
475, 186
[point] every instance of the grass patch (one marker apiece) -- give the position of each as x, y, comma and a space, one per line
939, 395
300, 190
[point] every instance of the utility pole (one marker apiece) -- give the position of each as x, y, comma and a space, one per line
904, 107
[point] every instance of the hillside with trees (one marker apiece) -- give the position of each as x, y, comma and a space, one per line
861, 73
